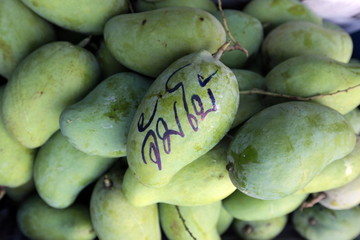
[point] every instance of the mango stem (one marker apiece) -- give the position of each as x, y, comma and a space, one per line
313, 201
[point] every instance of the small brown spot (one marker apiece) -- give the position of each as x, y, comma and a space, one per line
201, 19
41, 92
312, 221
143, 22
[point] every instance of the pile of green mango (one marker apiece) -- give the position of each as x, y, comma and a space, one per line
143, 119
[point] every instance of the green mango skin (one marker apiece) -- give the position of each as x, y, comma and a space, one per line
54, 76
251, 103
108, 64
18, 194
260, 230
204, 181
247, 30
297, 38
276, 12
143, 5
173, 33
224, 222
286, 141
38, 221
200, 221
353, 117
178, 120
21, 32
320, 223
80, 16
61, 171
311, 75
336, 174
113, 217
246, 208
99, 123
16, 161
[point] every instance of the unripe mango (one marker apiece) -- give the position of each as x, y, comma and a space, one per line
80, 16
247, 208
144, 5
188, 223
148, 42
276, 12
310, 75
99, 123
42, 85
187, 110
38, 221
297, 38
115, 218
287, 141
61, 171
16, 161
245, 29
108, 64
21, 32
225, 221
202, 181
353, 117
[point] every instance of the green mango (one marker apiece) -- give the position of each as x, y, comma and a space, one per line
18, 194
224, 222
319, 223
21, 32
188, 223
244, 207
298, 38
202, 181
353, 117
43, 84
245, 29
276, 12
251, 103
145, 5
16, 161
80, 16
311, 75
173, 33
61, 171
187, 110
287, 141
38, 221
343, 197
108, 64
99, 123
336, 174
260, 230
113, 217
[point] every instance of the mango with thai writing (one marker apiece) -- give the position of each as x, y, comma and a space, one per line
314, 75
187, 110
148, 42
202, 181
37, 220
281, 149
188, 223
80, 16
52, 77
99, 123
61, 171
297, 38
114, 217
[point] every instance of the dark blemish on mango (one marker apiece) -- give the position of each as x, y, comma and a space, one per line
143, 22
201, 19
312, 221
